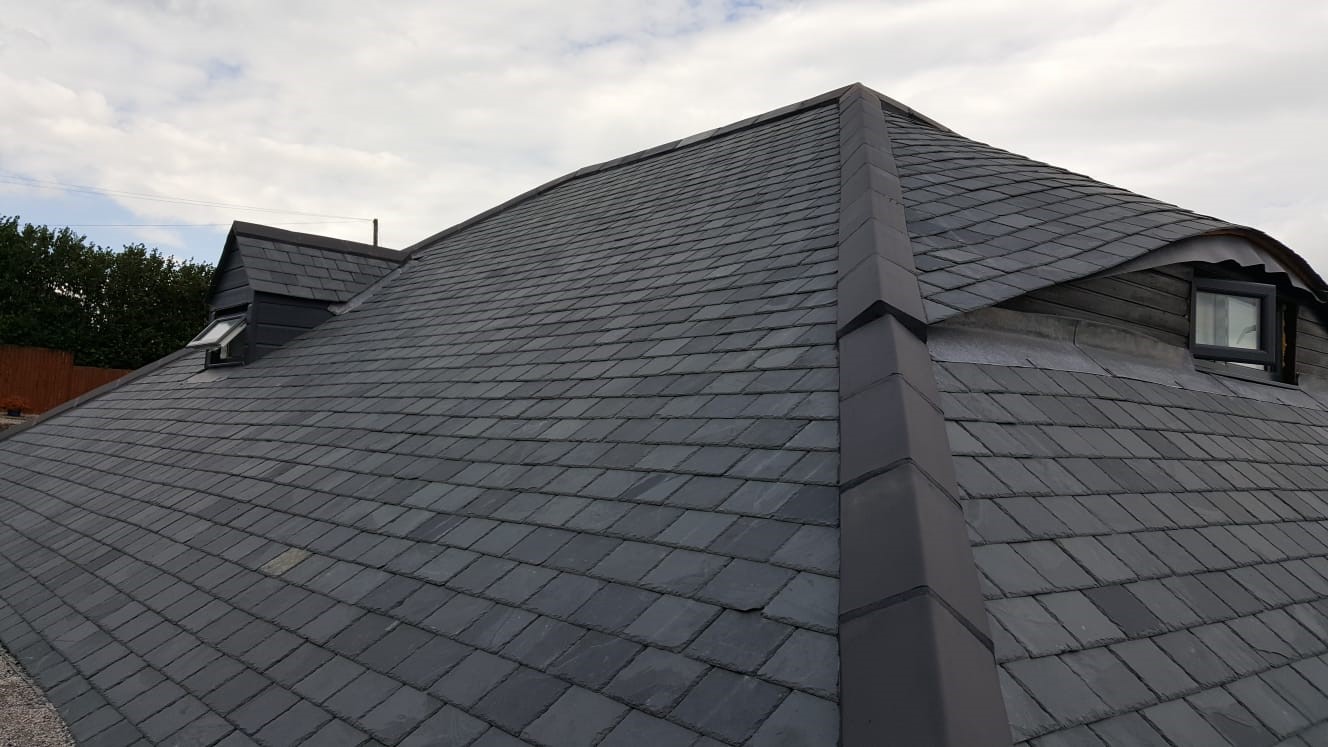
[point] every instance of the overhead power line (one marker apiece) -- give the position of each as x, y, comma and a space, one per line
201, 225
19, 179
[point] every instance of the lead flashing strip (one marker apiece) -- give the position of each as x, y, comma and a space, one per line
916, 656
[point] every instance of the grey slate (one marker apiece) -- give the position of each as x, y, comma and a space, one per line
1190, 606
570, 475
285, 263
484, 482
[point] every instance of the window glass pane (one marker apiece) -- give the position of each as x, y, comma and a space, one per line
1226, 321
219, 331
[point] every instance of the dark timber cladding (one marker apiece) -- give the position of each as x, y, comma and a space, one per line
230, 287
916, 661
1311, 343
276, 320
1154, 302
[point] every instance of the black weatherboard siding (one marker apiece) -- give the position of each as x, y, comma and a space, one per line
581, 470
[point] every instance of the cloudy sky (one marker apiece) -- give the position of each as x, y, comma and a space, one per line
423, 113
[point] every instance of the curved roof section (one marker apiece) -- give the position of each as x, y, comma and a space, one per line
1243, 248
988, 225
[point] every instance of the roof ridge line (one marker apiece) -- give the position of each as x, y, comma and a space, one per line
902, 109
916, 662
641, 155
315, 241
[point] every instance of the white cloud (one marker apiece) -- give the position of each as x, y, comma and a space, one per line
423, 113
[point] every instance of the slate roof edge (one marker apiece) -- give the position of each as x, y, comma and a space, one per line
783, 111
327, 243
33, 651
228, 247
1318, 287
106, 388
1281, 252
916, 662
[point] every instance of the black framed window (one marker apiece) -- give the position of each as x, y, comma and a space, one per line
1235, 321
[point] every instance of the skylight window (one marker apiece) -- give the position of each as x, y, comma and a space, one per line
1235, 321
218, 334
223, 338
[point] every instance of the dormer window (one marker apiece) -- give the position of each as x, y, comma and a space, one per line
1235, 321
223, 339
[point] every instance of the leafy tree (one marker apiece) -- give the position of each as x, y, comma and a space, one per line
115, 309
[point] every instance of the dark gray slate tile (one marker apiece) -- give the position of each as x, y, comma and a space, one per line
727, 705
672, 621
594, 659
655, 680
639, 729
520, 699
806, 661
579, 717
741, 641
1118, 687
744, 585
472, 678
1162, 675
1179, 722
800, 720
1058, 689
448, 726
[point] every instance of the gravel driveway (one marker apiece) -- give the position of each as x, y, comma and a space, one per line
26, 719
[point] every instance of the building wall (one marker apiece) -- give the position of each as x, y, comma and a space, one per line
276, 320
1155, 302
232, 287
1311, 344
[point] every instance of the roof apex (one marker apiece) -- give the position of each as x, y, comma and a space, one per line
271, 233
700, 137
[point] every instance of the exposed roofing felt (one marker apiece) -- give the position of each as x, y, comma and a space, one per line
285, 263
1152, 541
572, 476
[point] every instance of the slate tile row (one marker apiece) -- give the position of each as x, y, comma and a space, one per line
574, 484
308, 272
1155, 558
987, 225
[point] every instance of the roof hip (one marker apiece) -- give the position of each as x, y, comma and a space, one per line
916, 659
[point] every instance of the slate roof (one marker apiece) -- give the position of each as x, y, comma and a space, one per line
987, 225
577, 489
572, 476
316, 268
1152, 541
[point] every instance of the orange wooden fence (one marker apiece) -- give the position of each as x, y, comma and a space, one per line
46, 378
